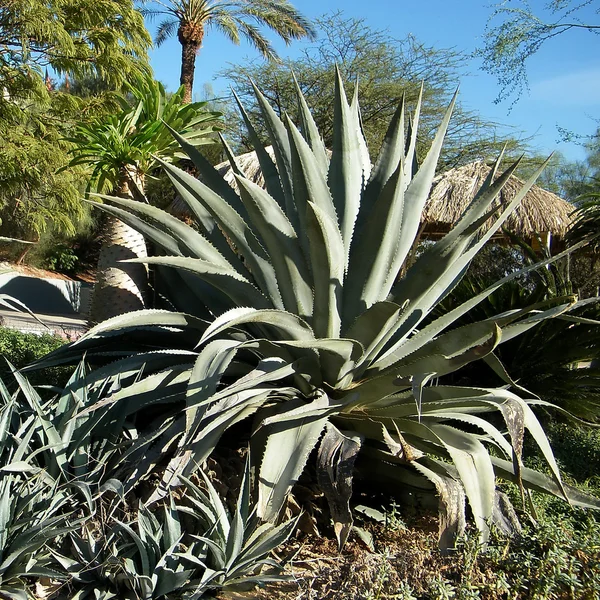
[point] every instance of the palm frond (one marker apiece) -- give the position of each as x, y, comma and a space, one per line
166, 29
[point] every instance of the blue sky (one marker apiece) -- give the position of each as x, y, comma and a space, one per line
564, 75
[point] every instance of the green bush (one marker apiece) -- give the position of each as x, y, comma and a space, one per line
62, 259
21, 349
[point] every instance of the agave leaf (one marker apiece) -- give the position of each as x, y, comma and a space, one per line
206, 375
210, 176
174, 236
337, 356
335, 463
236, 227
443, 322
52, 436
263, 541
281, 148
299, 410
446, 359
13, 593
310, 184
476, 472
235, 540
327, 259
417, 193
310, 131
452, 521
231, 157
463, 231
410, 159
373, 327
286, 451
492, 432
169, 581
216, 504
367, 281
492, 361
365, 157
542, 483
143, 318
515, 329
448, 344
346, 177
140, 545
391, 154
289, 325
15, 304
165, 386
187, 187
517, 415
267, 166
424, 295
230, 282
282, 243
228, 407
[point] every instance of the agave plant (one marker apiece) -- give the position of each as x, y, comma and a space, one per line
35, 509
304, 324
154, 556
238, 546
556, 361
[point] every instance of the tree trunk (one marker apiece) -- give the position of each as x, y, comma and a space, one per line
120, 287
189, 49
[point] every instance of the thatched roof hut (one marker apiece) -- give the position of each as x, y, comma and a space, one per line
541, 212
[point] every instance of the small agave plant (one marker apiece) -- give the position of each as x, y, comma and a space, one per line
310, 324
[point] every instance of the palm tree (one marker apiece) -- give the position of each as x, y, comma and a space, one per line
235, 18
121, 149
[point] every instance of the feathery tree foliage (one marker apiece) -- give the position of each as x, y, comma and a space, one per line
105, 39
387, 69
34, 194
521, 33
190, 19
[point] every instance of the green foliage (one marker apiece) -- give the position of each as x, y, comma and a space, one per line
387, 69
34, 194
106, 38
124, 146
284, 310
22, 349
515, 33
62, 259
557, 360
64, 516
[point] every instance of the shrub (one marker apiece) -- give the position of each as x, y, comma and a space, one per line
291, 306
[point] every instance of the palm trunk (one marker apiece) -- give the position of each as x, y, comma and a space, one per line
120, 287
187, 36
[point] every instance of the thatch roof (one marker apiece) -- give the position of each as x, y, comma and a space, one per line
540, 211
